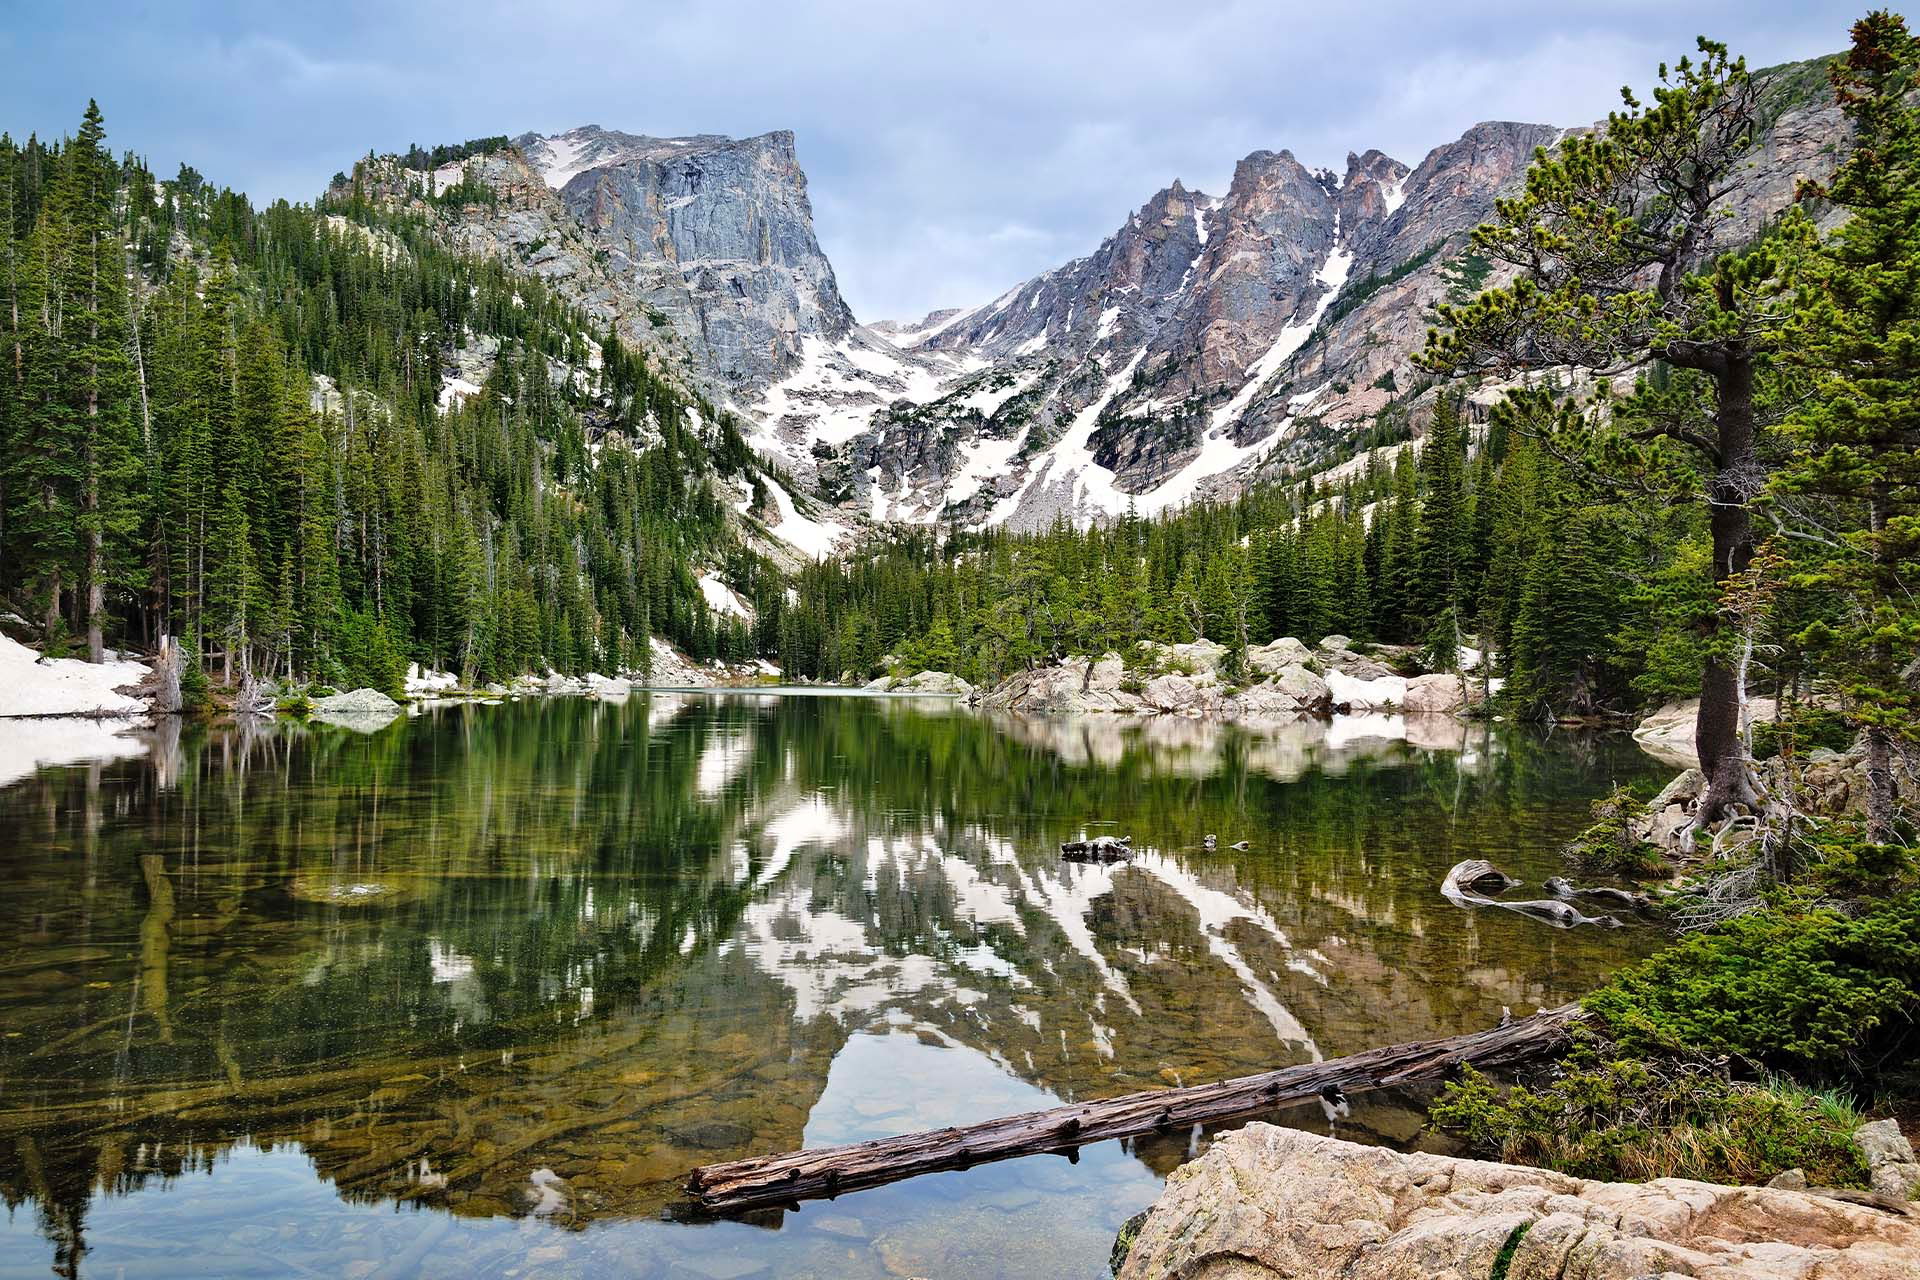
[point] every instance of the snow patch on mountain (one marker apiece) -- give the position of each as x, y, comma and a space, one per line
816, 538
833, 394
721, 598
1069, 465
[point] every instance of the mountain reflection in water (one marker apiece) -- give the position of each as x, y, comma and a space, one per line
523, 966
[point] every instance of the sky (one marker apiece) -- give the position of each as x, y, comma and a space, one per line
951, 150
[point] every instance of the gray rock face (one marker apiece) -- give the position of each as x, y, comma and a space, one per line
1267, 1202
714, 233
1215, 340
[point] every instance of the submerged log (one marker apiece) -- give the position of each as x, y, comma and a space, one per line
1098, 849
1477, 875
762, 1181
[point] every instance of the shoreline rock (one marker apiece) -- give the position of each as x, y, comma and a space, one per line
1266, 1201
1289, 680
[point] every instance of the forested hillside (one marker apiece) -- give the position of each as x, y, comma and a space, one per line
1475, 533
239, 427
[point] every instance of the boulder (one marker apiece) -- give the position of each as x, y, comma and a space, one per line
602, 687
883, 685
933, 682
1667, 734
1272, 1202
1443, 693
1179, 695
1292, 691
359, 702
1108, 673
1204, 656
1058, 689
1890, 1160
1279, 655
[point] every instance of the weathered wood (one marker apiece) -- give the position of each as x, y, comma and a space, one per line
763, 1181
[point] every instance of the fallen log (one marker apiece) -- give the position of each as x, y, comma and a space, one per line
763, 1181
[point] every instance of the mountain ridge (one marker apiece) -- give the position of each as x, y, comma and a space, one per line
1208, 343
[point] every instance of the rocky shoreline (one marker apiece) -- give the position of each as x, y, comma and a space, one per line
1266, 1202
1281, 680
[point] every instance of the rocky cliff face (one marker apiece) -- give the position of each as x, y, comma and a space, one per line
1216, 340
715, 234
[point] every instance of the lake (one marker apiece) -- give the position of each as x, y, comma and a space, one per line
469, 994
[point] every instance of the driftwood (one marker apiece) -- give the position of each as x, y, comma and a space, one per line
1098, 849
1561, 915
1477, 875
1627, 898
771, 1181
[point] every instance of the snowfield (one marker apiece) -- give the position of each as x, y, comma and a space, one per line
65, 686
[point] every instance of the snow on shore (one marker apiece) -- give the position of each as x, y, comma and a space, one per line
65, 686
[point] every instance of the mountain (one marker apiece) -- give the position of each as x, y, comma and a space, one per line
1209, 342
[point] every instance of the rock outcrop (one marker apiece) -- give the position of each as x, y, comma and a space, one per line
357, 702
1284, 679
935, 683
1267, 1202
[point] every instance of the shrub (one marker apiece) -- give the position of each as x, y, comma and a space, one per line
1807, 990
1805, 728
1610, 847
1623, 1120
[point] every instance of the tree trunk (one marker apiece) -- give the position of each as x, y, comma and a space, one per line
166, 667
1717, 732
1883, 798
96, 589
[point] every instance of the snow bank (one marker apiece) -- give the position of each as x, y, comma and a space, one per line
65, 686
814, 537
429, 681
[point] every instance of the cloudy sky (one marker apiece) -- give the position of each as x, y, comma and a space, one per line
952, 149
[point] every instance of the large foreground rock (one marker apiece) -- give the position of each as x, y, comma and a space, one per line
1271, 1202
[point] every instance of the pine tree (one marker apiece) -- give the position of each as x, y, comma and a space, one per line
1620, 259
1856, 439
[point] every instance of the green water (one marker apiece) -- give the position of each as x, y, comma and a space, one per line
469, 995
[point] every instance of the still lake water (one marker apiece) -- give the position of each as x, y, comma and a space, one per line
469, 995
